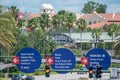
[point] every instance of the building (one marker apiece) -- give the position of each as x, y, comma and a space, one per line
45, 8
94, 20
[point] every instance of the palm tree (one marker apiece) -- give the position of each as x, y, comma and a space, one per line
0, 8
57, 23
21, 23
7, 38
81, 23
63, 19
117, 47
45, 25
113, 30
32, 25
45, 22
71, 18
15, 12
96, 34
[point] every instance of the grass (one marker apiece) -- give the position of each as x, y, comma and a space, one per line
2, 79
115, 64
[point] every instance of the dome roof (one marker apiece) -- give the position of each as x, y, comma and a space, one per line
46, 6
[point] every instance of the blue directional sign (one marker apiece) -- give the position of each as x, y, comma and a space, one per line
64, 59
98, 57
30, 60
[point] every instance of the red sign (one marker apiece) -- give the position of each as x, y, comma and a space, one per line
49, 60
84, 60
15, 60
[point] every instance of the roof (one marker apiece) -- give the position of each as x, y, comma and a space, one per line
33, 15
101, 24
85, 16
97, 25
111, 16
107, 16
86, 37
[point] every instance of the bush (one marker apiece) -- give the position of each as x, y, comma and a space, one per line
11, 74
39, 73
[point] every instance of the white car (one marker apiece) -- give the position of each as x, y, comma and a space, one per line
23, 76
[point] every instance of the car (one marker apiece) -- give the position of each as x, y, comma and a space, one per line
118, 68
23, 76
16, 77
30, 78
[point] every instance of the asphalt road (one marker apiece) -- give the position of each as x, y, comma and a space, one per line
73, 76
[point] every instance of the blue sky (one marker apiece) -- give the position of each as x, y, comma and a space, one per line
69, 5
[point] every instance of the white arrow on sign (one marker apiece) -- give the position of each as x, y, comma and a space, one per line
84, 60
15, 60
50, 60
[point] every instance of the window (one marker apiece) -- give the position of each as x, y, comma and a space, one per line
94, 22
90, 22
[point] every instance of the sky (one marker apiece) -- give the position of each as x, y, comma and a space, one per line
68, 5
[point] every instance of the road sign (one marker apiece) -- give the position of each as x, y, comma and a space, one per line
15, 60
84, 60
49, 60
64, 59
30, 60
113, 73
98, 57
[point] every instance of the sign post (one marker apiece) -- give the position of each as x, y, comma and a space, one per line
84, 60
98, 57
27, 60
113, 73
64, 59
49, 60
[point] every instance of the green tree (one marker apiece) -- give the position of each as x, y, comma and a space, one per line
15, 12
63, 20
81, 23
22, 41
45, 22
21, 23
91, 6
34, 24
0, 8
71, 18
117, 47
56, 23
96, 34
45, 25
113, 30
7, 38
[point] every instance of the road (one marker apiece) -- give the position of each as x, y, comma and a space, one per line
73, 76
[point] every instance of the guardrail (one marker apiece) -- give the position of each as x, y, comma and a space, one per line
55, 70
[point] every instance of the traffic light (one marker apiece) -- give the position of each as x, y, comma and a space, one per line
91, 72
47, 71
99, 72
